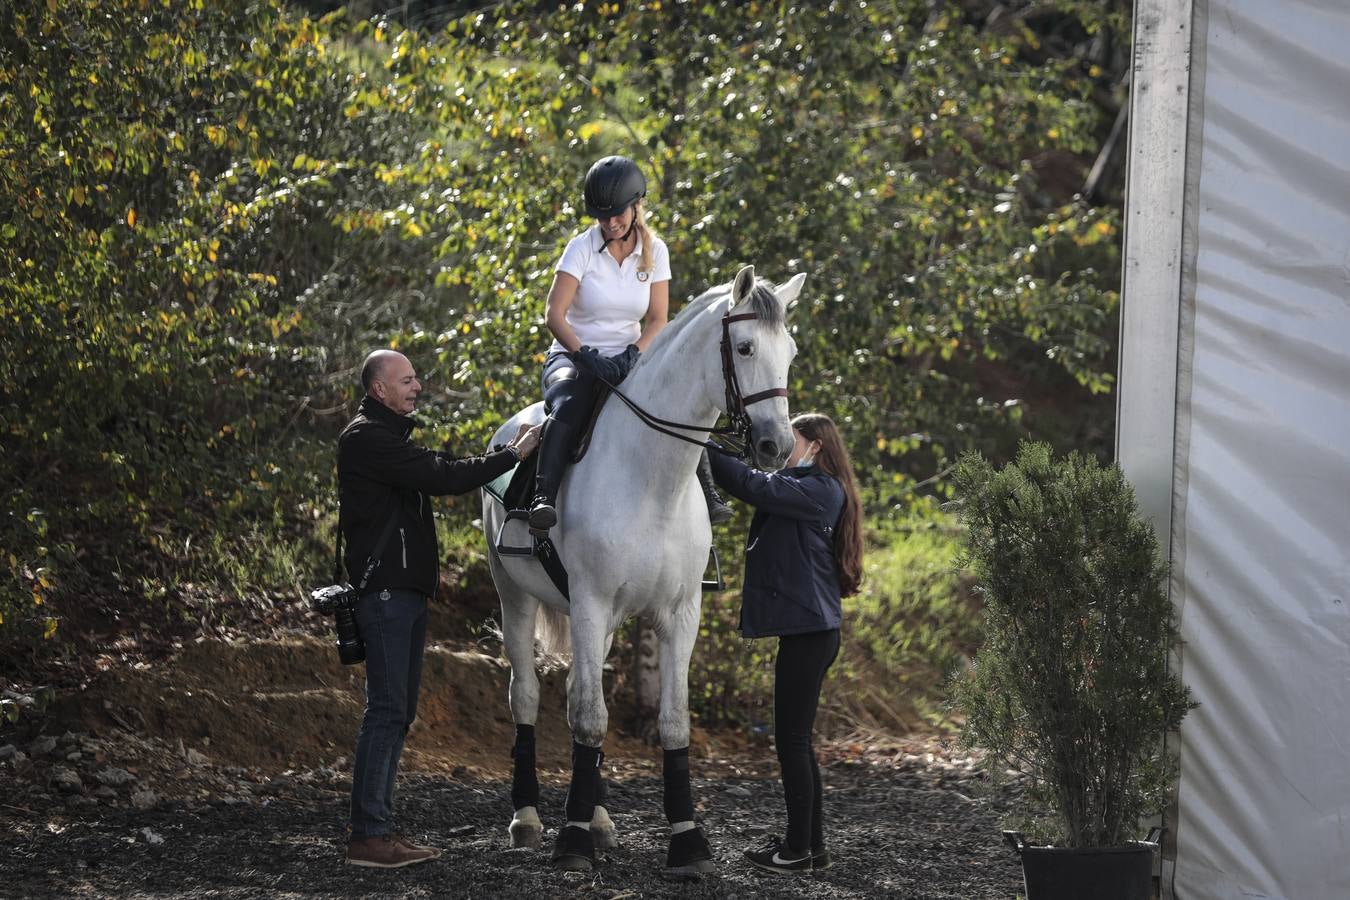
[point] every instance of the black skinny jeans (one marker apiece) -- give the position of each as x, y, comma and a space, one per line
799, 672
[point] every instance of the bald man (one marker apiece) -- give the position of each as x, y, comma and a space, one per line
382, 474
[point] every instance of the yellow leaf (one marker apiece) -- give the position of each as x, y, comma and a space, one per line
49, 630
916, 132
131, 217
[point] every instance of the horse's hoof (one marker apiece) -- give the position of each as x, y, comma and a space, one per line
525, 836
603, 832
574, 849
690, 855
526, 829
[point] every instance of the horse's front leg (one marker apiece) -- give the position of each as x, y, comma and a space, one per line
586, 713
603, 832
689, 854
519, 611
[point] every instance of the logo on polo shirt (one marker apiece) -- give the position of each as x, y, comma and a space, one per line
643, 276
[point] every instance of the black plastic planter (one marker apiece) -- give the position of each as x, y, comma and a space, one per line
1100, 873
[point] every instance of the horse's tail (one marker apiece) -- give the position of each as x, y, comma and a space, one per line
552, 631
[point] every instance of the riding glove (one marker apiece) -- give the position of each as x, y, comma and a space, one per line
611, 369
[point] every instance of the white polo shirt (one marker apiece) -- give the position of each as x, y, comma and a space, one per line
612, 297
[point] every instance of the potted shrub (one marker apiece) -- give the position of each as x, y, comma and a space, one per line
1071, 687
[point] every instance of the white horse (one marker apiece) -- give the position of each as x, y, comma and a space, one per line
634, 536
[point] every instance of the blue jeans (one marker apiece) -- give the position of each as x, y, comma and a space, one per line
394, 626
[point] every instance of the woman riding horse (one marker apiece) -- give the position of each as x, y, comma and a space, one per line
729, 351
609, 299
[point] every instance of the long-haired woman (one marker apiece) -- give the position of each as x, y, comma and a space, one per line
803, 554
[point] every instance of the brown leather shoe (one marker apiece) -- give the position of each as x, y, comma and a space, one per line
404, 840
385, 851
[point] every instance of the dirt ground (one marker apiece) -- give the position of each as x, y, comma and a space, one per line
224, 771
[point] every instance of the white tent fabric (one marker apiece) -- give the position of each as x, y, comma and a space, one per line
1258, 511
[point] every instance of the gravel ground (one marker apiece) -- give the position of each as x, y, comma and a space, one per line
913, 829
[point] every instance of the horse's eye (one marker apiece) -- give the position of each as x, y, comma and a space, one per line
746, 348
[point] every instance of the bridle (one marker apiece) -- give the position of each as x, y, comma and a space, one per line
737, 401
737, 431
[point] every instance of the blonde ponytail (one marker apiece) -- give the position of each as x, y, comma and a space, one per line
646, 263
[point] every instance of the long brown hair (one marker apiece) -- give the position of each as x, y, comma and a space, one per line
833, 460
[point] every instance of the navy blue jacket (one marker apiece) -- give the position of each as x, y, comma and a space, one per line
791, 577
380, 470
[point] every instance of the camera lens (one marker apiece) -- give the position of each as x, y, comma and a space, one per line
351, 649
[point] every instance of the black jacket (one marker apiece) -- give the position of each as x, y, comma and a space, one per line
380, 469
791, 577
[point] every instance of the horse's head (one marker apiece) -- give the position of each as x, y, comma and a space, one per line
756, 356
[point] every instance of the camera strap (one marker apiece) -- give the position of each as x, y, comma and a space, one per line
374, 559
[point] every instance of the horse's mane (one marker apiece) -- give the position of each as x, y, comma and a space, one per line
763, 302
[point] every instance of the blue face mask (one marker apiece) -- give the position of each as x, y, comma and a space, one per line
809, 457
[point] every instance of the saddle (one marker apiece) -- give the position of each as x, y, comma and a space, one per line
515, 489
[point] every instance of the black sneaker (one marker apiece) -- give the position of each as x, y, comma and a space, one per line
820, 859
775, 856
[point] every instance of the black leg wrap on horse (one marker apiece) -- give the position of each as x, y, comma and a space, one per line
584, 792
524, 778
679, 799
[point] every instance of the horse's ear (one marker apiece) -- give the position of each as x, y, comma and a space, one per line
743, 285
788, 293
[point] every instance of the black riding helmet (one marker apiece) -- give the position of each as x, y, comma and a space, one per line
612, 185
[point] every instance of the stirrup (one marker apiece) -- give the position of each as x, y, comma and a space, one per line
718, 584
503, 549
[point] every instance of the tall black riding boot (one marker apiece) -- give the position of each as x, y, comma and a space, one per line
555, 446
718, 510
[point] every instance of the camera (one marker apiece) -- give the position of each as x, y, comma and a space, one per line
339, 601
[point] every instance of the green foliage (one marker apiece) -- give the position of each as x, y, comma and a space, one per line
912, 623
209, 211
1071, 686
170, 281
